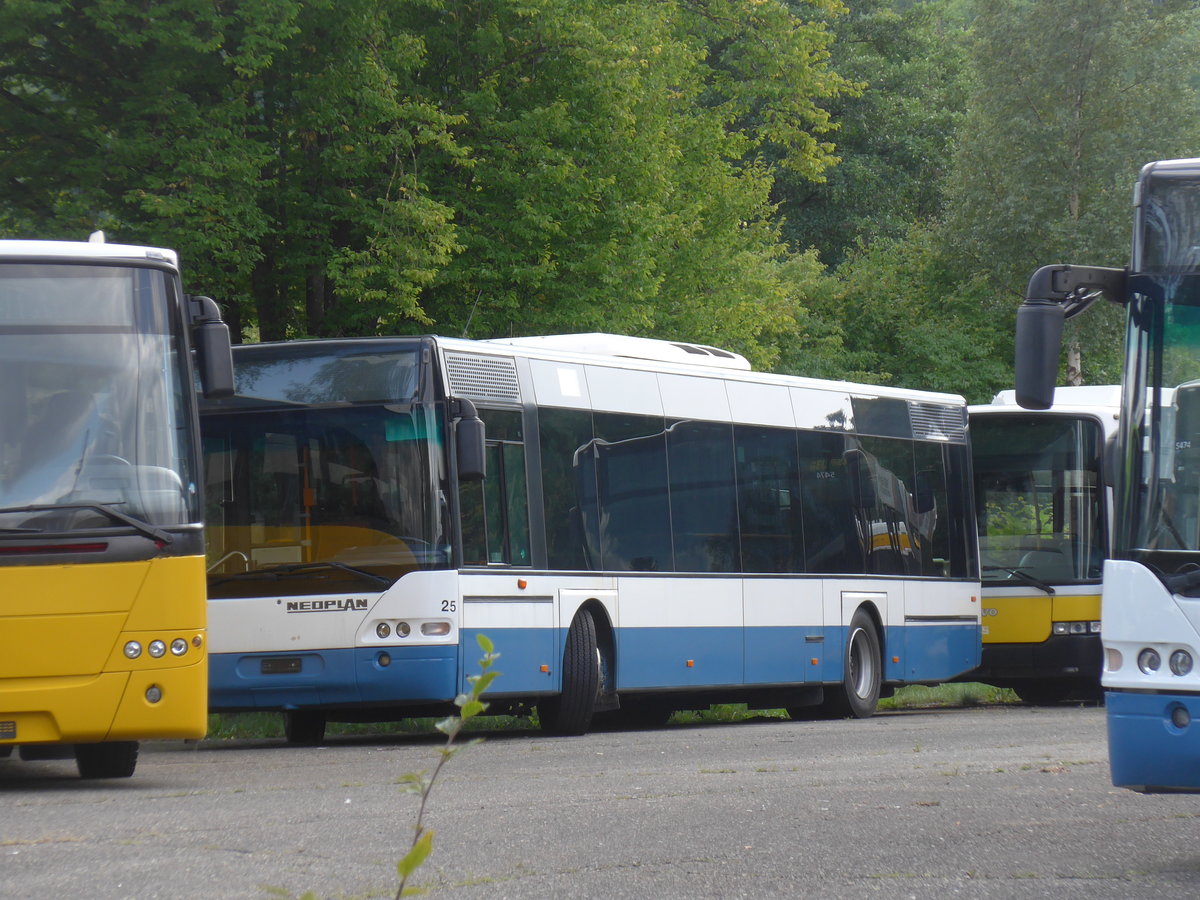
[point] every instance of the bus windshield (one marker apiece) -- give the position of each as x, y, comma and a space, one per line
1039, 498
1160, 511
308, 482
93, 418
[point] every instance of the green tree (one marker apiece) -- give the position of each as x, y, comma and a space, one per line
906, 317
1070, 99
469, 166
895, 135
273, 142
618, 180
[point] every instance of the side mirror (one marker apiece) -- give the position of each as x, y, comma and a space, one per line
1039, 344
469, 441
1056, 293
210, 337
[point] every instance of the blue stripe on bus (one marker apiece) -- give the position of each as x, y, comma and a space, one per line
333, 677
1145, 748
523, 653
531, 660
932, 653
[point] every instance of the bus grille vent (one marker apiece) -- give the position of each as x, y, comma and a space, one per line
483, 377
935, 422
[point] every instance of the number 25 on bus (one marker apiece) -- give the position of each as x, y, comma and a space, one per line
1150, 611
102, 601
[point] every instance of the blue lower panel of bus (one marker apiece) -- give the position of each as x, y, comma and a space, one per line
682, 657
331, 677
931, 653
529, 661
1147, 750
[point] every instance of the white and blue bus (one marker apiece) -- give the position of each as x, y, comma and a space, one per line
641, 526
1150, 610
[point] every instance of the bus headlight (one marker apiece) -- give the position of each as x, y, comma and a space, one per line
1149, 661
133, 650
1076, 627
383, 630
156, 649
153, 693
179, 647
403, 629
1180, 662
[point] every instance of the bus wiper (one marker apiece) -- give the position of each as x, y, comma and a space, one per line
143, 527
292, 568
1022, 576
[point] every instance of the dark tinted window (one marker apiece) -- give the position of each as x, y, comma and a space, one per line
569, 488
768, 493
832, 542
631, 479
704, 520
891, 534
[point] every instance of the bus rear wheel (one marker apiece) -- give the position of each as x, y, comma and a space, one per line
862, 672
115, 759
304, 727
570, 713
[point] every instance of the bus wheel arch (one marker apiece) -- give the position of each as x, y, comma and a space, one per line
571, 711
862, 668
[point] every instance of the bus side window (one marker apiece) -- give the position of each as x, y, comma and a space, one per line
495, 511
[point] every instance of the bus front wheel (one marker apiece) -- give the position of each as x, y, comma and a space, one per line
304, 727
571, 711
862, 672
115, 759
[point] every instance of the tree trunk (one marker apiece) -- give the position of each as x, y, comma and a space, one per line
1074, 365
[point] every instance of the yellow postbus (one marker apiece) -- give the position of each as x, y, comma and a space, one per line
1043, 511
102, 597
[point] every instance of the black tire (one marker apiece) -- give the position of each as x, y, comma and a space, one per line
570, 713
862, 672
304, 727
116, 759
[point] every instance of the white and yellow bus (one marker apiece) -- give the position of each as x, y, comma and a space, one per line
1045, 523
102, 605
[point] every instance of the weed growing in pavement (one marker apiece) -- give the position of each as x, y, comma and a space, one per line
419, 783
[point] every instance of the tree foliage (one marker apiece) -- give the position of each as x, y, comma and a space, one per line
895, 133
1071, 98
853, 192
476, 167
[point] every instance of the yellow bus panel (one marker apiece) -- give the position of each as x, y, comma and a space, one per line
68, 670
1030, 619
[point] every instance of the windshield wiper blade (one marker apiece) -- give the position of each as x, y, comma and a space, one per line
293, 568
1022, 576
151, 531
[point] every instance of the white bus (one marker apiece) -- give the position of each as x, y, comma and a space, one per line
659, 528
1044, 505
1151, 604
